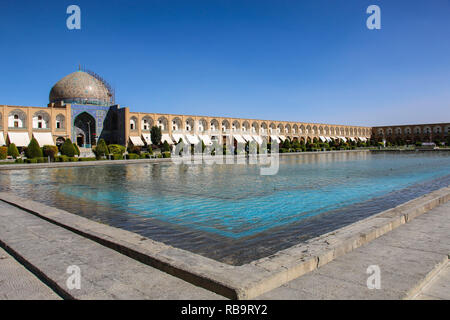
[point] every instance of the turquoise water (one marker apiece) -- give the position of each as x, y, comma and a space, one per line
222, 211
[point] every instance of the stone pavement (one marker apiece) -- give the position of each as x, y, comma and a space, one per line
438, 288
17, 283
406, 257
105, 273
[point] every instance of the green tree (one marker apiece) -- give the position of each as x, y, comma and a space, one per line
50, 151
33, 150
156, 135
77, 150
165, 147
12, 151
101, 149
67, 149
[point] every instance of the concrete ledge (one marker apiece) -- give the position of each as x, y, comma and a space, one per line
249, 280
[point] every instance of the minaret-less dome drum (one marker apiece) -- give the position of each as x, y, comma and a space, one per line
81, 88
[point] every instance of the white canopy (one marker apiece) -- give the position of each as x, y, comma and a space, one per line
20, 139
177, 136
44, 138
206, 139
363, 139
192, 139
166, 138
353, 139
275, 138
258, 139
137, 141
147, 137
2, 139
239, 138
282, 138
322, 139
247, 137
328, 139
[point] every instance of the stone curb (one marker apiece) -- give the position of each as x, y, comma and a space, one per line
238, 282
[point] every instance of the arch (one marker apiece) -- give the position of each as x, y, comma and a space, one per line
17, 119
60, 141
189, 124
255, 127
389, 131
447, 129
427, 130
263, 128
202, 125
398, 131
84, 129
133, 123
41, 120
314, 130
60, 122
225, 125
236, 125
176, 124
280, 128
295, 129
163, 124
272, 127
417, 130
214, 125
1, 120
437, 129
408, 130
287, 129
146, 123
245, 126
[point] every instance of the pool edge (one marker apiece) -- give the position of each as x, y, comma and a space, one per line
238, 282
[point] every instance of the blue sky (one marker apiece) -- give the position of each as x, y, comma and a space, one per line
312, 61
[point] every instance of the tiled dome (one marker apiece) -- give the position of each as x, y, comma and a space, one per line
80, 88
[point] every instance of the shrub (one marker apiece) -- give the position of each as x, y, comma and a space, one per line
33, 150
62, 158
166, 154
150, 150
101, 149
87, 159
3, 153
32, 160
42, 160
12, 151
19, 160
132, 156
116, 149
50, 151
156, 135
165, 147
72, 159
159, 155
133, 149
117, 157
67, 149
77, 150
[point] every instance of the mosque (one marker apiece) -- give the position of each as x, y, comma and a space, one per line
82, 107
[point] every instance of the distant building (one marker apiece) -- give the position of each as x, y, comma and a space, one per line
412, 133
82, 107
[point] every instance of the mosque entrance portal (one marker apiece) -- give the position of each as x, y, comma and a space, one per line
84, 125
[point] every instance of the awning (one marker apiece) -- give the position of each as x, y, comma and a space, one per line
20, 139
344, 139
282, 138
363, 139
275, 138
147, 138
258, 139
137, 141
353, 139
323, 139
328, 139
2, 139
177, 136
192, 139
247, 137
44, 138
166, 138
238, 138
206, 139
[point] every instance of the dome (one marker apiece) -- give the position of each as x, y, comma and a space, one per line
80, 88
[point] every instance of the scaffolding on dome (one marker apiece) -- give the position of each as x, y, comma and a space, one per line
111, 91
